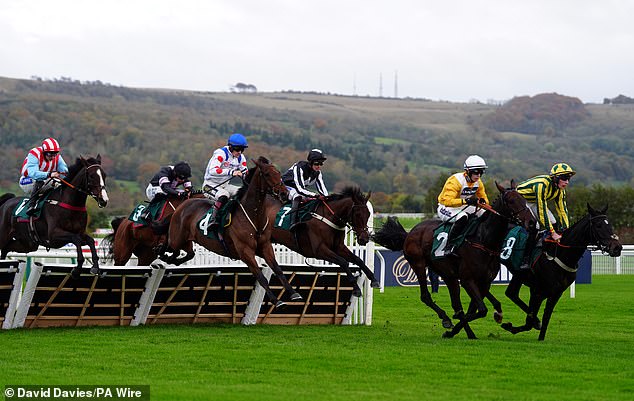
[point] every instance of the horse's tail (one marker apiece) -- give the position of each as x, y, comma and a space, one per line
108, 240
6, 197
392, 235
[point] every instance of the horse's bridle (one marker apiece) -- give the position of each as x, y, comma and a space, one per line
347, 221
82, 190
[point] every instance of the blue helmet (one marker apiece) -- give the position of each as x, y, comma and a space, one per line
238, 140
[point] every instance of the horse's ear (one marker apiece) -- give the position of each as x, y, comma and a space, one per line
98, 158
591, 209
605, 209
82, 160
500, 187
367, 198
513, 186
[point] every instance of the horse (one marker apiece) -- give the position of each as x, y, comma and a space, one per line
248, 235
556, 268
63, 218
142, 241
322, 237
477, 262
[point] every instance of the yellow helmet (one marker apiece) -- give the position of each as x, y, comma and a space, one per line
562, 169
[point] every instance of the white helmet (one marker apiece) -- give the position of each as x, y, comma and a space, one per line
474, 162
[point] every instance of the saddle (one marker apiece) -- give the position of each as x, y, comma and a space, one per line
306, 210
224, 218
442, 232
22, 207
155, 212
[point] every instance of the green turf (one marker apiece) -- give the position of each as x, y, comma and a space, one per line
588, 355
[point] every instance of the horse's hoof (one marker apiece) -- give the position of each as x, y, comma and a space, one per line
94, 270
296, 297
75, 273
375, 284
447, 334
280, 305
497, 317
537, 325
507, 326
356, 293
447, 324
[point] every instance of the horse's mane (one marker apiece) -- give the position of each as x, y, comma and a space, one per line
75, 168
350, 191
249, 177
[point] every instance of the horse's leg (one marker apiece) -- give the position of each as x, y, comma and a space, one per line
188, 247
477, 309
453, 285
329, 255
513, 293
497, 307
419, 266
77, 241
88, 240
248, 257
548, 311
531, 316
269, 257
349, 256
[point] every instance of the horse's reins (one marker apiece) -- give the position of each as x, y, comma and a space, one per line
559, 262
76, 188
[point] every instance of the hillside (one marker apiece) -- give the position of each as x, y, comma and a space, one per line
397, 147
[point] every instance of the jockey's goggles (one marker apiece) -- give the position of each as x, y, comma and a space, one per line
50, 153
237, 148
182, 177
318, 163
478, 171
565, 177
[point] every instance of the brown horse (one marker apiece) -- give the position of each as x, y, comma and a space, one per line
248, 235
477, 262
556, 268
143, 241
63, 219
322, 237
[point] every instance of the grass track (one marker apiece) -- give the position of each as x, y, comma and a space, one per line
587, 355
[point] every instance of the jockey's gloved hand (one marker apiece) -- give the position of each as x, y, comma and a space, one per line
471, 201
482, 200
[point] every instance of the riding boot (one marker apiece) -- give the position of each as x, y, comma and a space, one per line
454, 233
36, 195
528, 251
295, 213
214, 220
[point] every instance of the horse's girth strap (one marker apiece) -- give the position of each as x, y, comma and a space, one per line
328, 222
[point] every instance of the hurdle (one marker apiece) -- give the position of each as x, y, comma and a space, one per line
11, 277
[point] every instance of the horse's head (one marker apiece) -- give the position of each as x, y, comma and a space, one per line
95, 180
272, 178
602, 233
359, 216
514, 206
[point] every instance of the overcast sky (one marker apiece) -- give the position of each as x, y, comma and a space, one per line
440, 50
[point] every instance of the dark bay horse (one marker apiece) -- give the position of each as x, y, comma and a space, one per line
143, 241
556, 268
323, 236
478, 260
249, 233
63, 219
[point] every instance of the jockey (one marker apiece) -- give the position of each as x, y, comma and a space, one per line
225, 163
460, 196
538, 191
40, 165
166, 182
299, 176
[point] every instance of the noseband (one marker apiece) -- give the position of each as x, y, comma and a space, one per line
84, 190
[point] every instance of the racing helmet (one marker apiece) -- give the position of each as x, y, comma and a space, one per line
237, 140
50, 145
474, 162
182, 170
560, 169
315, 155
